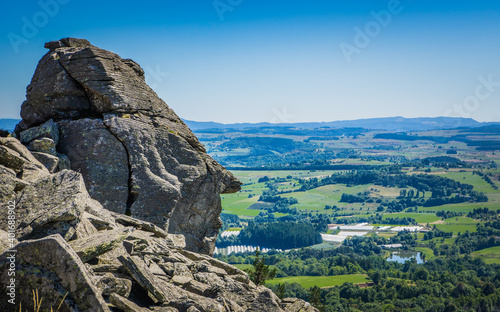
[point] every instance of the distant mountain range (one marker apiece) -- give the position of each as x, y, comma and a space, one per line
8, 124
388, 123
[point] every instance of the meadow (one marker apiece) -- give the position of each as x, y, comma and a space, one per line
321, 281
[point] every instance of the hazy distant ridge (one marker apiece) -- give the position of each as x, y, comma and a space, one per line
387, 123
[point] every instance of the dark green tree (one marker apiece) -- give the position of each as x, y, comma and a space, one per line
280, 291
315, 298
261, 272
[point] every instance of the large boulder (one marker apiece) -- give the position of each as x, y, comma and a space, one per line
42, 203
135, 154
54, 271
69, 250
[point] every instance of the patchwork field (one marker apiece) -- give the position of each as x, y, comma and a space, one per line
321, 281
489, 255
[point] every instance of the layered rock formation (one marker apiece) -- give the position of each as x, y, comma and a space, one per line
79, 256
90, 110
70, 252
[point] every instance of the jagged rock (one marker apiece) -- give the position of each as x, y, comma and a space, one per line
8, 186
136, 155
124, 304
49, 161
64, 162
129, 147
111, 284
17, 157
266, 301
100, 157
51, 267
296, 305
139, 271
55, 204
90, 247
47, 130
43, 145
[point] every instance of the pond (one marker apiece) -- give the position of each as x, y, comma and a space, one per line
402, 256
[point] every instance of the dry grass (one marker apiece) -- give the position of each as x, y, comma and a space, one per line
37, 303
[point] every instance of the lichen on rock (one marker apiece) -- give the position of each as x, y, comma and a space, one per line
129, 153
135, 154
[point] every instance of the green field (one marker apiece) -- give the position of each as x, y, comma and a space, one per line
314, 200
321, 281
429, 253
489, 255
419, 217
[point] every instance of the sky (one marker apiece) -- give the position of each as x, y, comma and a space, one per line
235, 61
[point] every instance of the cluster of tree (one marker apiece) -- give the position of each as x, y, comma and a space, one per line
470, 242
437, 233
280, 235
442, 188
490, 228
454, 283
483, 214
473, 196
448, 214
485, 145
446, 284
465, 243
229, 220
490, 181
287, 201
351, 198
360, 243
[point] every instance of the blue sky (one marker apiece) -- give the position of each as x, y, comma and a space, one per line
281, 61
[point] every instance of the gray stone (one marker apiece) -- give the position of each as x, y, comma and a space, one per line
143, 225
90, 247
49, 161
53, 204
100, 157
47, 130
53, 274
111, 284
43, 145
9, 184
124, 304
136, 155
296, 305
139, 271
64, 162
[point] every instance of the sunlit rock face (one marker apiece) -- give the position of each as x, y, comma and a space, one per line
135, 154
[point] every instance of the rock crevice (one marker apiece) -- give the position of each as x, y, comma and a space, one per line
132, 195
135, 154
88, 110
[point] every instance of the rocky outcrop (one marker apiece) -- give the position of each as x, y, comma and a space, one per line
58, 276
88, 109
79, 256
